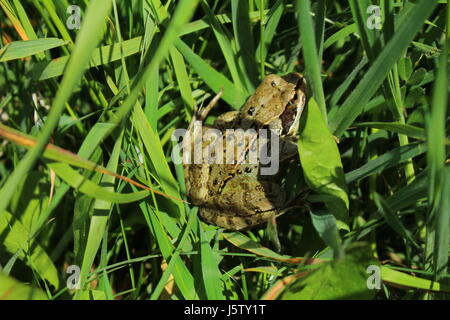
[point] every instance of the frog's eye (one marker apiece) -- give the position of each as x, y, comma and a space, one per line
250, 111
274, 84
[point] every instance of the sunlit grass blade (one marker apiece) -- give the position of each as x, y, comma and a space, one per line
402, 279
21, 49
55, 153
100, 56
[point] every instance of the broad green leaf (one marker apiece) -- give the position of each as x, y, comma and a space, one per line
417, 77
325, 225
339, 279
321, 163
11, 289
21, 49
405, 68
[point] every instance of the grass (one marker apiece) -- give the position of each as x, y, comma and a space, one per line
87, 180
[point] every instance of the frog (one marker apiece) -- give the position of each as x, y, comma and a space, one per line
237, 196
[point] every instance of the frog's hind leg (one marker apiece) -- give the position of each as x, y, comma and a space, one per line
231, 221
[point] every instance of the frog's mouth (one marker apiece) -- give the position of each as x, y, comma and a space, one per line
291, 115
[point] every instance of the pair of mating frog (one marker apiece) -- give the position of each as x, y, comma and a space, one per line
236, 196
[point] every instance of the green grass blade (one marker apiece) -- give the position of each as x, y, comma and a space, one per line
100, 56
393, 220
215, 80
244, 42
223, 39
310, 54
439, 196
22, 49
405, 129
385, 161
15, 237
210, 269
86, 42
380, 68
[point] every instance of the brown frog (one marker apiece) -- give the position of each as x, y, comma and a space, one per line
235, 195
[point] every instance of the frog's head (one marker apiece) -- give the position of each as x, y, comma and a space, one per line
277, 103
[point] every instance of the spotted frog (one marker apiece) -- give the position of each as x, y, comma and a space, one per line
236, 195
